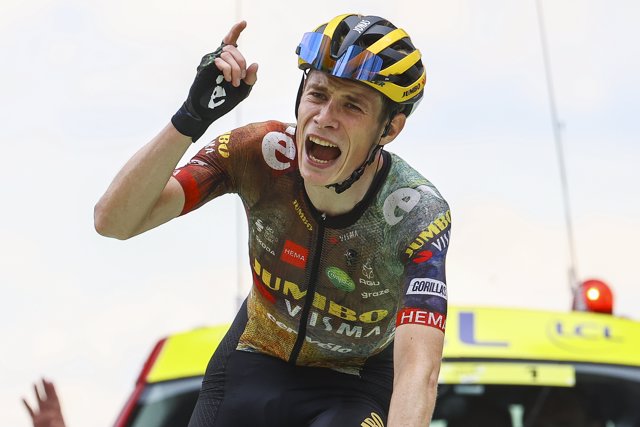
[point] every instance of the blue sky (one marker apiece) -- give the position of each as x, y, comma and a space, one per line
85, 84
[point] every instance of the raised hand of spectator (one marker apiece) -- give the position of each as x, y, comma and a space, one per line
47, 411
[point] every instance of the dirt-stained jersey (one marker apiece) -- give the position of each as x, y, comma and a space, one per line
327, 290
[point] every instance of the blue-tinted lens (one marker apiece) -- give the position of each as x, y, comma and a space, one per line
314, 49
358, 64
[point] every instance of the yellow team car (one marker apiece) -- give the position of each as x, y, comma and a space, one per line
501, 367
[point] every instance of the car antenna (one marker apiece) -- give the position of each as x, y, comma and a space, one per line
557, 136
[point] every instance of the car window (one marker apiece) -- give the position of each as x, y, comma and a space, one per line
602, 396
166, 404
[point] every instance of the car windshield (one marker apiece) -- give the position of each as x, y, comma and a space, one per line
601, 396
166, 404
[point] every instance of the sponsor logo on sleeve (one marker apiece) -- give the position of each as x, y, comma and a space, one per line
418, 316
222, 143
442, 242
197, 162
278, 150
294, 254
422, 256
432, 233
427, 286
340, 279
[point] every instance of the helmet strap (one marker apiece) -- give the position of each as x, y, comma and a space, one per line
386, 130
347, 183
300, 89
340, 187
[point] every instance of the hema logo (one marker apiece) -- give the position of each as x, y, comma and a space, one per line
294, 254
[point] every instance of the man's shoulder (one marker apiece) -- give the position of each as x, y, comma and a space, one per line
403, 175
408, 199
259, 130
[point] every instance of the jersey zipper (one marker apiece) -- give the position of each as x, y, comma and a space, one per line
311, 290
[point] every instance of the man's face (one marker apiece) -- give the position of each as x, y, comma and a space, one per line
338, 123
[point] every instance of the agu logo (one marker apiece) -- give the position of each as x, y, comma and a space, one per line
374, 420
340, 279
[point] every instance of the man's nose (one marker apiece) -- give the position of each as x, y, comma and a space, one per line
327, 115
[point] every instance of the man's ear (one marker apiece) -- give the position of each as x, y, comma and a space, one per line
394, 128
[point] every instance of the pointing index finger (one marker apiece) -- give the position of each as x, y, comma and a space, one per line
234, 33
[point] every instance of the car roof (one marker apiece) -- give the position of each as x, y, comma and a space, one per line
473, 333
185, 354
507, 333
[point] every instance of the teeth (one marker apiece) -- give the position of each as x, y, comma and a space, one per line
321, 142
318, 160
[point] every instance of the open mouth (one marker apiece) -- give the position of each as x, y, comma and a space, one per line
320, 151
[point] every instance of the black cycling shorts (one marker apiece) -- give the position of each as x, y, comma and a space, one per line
254, 390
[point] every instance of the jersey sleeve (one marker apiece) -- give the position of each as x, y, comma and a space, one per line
223, 166
424, 295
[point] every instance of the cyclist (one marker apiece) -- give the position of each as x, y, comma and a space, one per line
344, 325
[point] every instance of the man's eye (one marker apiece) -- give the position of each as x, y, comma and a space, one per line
353, 107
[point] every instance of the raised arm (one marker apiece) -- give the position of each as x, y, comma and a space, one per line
143, 194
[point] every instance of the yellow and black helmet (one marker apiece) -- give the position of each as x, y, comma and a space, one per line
368, 49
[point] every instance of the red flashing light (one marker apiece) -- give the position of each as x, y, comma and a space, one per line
593, 295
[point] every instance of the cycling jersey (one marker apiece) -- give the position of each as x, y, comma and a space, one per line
328, 291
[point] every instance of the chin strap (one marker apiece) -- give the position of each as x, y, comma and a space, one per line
300, 89
340, 187
347, 183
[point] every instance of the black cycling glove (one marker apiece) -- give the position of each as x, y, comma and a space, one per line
210, 98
